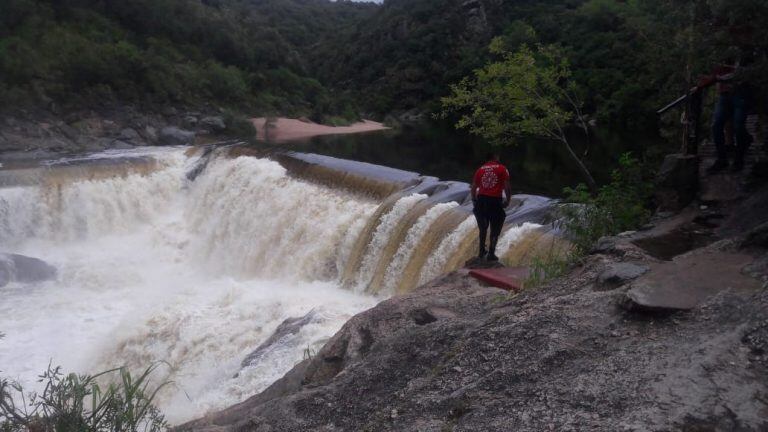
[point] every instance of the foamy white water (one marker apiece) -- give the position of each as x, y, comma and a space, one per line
436, 262
152, 268
415, 235
387, 224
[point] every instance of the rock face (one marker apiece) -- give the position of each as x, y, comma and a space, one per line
24, 269
174, 136
455, 355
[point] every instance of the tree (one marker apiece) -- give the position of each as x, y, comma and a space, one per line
528, 93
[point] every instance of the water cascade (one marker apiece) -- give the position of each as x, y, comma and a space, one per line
197, 257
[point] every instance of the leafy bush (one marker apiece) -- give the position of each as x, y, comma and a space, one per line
79, 403
618, 206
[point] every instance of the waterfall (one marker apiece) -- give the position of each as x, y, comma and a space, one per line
195, 258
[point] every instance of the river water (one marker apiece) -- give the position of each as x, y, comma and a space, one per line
154, 265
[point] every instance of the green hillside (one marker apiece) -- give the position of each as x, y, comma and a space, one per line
248, 54
326, 59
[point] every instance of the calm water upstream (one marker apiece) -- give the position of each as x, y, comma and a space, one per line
437, 149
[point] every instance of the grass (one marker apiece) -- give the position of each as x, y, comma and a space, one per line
81, 403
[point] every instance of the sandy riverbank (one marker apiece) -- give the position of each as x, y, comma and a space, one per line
285, 129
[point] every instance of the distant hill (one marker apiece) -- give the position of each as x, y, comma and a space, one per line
242, 53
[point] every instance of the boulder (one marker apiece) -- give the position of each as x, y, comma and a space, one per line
24, 269
171, 135
213, 124
130, 135
618, 274
605, 245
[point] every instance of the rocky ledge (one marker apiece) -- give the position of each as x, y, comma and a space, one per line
39, 133
456, 355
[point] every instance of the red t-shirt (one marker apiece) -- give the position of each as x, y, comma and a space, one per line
490, 178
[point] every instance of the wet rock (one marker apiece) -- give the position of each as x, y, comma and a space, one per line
618, 274
287, 328
171, 135
213, 124
24, 269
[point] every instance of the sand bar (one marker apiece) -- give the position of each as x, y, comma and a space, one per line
284, 129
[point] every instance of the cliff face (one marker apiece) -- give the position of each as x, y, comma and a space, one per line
456, 355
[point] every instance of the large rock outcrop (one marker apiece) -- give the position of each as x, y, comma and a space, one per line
459, 356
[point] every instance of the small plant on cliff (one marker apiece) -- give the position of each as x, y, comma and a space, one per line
618, 206
78, 403
528, 93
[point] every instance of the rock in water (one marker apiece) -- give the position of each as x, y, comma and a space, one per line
618, 274
24, 269
174, 136
289, 327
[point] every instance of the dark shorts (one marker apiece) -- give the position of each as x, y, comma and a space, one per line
489, 211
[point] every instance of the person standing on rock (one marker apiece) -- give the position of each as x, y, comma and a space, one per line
489, 185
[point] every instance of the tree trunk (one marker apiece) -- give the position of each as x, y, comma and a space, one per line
583, 168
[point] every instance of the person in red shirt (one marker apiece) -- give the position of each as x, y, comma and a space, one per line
489, 187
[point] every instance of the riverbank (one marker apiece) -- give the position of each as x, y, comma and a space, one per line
631, 340
283, 129
42, 133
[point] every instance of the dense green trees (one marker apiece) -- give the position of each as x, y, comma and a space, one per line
228, 52
524, 94
321, 58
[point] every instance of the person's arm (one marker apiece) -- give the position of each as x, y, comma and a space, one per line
473, 190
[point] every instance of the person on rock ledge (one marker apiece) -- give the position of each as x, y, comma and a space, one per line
489, 185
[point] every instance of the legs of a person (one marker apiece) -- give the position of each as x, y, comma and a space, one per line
482, 224
497, 222
743, 139
721, 116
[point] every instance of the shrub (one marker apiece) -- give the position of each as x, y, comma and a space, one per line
78, 403
618, 206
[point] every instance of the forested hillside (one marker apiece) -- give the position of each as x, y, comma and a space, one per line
239, 53
322, 59
628, 57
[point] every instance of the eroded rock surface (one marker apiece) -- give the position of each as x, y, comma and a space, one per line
458, 356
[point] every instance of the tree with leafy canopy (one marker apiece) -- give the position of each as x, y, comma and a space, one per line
528, 93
